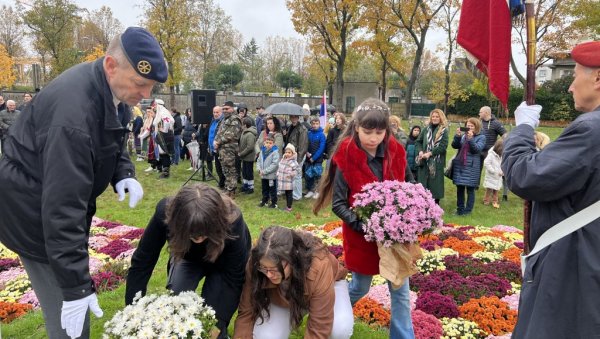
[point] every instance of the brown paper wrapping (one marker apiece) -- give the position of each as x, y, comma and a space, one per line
398, 261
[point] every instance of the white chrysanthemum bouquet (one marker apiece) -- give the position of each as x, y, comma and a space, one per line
163, 316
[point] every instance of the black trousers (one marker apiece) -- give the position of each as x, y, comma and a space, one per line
186, 275
269, 190
289, 198
248, 170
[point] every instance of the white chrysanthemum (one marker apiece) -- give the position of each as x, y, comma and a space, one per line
487, 257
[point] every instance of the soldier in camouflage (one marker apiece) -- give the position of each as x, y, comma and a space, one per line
227, 144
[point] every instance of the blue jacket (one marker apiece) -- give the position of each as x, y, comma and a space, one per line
316, 144
467, 173
212, 132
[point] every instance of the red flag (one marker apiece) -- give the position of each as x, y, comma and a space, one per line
484, 32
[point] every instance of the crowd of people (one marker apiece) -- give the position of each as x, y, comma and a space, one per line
284, 275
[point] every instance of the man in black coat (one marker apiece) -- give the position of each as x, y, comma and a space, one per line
60, 155
561, 283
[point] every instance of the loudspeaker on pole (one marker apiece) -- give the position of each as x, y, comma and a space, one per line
203, 101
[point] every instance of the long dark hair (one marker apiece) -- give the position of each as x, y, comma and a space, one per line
370, 114
199, 210
280, 244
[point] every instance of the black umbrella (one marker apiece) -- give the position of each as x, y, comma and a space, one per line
285, 108
317, 109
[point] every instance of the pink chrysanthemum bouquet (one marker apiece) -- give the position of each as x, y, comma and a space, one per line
395, 214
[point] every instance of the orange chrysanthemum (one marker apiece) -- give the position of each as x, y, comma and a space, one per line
513, 254
11, 311
463, 247
491, 314
371, 312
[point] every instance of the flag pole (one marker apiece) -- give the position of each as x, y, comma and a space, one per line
530, 99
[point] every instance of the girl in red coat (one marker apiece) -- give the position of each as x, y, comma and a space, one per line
365, 153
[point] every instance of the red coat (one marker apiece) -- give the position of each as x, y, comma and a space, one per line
361, 256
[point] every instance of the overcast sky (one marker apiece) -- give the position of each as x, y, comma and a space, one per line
257, 19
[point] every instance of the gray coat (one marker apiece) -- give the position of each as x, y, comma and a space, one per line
561, 286
268, 164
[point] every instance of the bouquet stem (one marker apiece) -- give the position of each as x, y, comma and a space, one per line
397, 262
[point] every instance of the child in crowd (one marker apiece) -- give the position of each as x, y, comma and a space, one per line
248, 154
493, 174
268, 161
291, 274
314, 157
411, 150
287, 171
366, 153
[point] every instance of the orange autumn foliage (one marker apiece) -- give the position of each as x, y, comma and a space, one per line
513, 254
330, 226
11, 311
491, 314
463, 247
371, 312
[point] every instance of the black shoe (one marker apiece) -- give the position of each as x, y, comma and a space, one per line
262, 204
505, 198
244, 188
273, 206
249, 191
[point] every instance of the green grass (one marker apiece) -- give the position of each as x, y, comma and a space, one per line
31, 325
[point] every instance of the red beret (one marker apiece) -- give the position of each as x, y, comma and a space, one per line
587, 54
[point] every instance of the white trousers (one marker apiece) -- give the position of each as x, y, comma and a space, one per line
277, 326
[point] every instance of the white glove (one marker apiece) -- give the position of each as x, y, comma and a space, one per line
136, 192
528, 115
73, 313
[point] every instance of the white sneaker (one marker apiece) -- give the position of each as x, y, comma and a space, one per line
190, 169
149, 169
310, 194
139, 159
316, 195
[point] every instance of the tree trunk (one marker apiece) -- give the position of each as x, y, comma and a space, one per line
383, 80
515, 70
339, 85
447, 77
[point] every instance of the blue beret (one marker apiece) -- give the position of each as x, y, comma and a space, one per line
144, 54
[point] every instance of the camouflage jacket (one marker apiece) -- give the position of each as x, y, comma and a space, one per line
229, 133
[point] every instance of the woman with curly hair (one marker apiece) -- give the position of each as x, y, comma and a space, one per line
291, 274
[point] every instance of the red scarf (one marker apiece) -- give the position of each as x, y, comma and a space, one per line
361, 256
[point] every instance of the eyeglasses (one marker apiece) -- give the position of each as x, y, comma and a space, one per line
267, 270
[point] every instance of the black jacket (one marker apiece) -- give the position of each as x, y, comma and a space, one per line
561, 284
62, 153
230, 265
178, 126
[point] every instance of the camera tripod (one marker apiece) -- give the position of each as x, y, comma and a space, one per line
204, 172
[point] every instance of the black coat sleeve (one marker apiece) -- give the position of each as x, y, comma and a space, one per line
146, 255
340, 204
231, 265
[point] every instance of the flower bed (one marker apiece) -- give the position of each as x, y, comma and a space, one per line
111, 247
467, 286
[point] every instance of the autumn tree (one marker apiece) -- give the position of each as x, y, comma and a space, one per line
51, 24
587, 16
448, 21
415, 17
99, 28
334, 22
212, 41
7, 75
96, 53
11, 32
386, 42
171, 22
280, 53
554, 32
